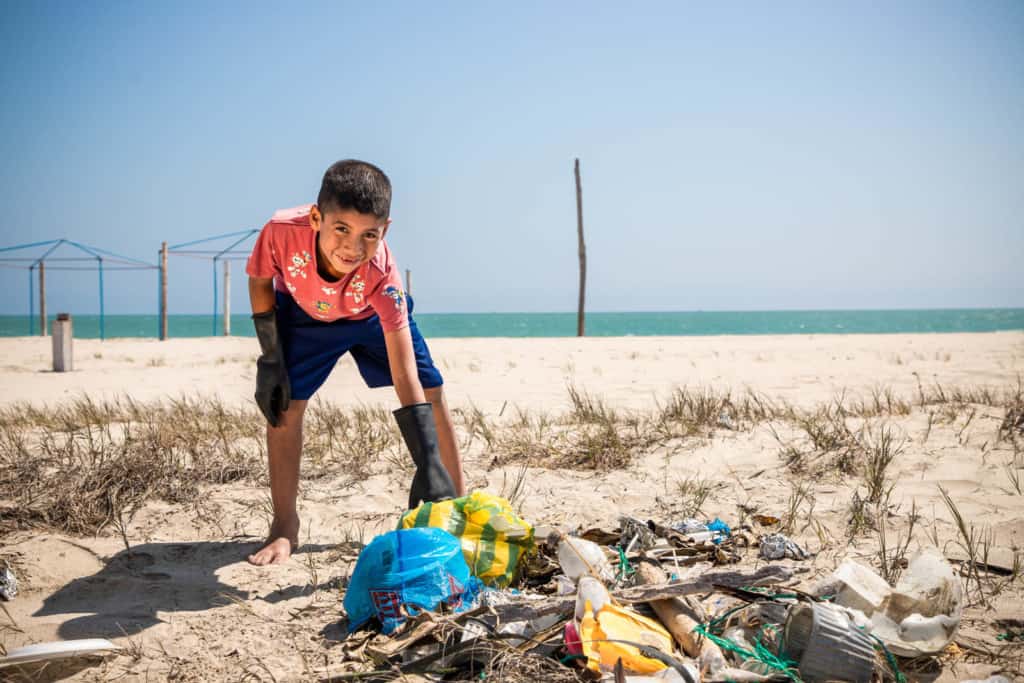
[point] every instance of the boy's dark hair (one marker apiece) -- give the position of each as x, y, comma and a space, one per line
352, 184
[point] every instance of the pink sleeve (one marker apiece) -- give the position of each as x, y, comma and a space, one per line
388, 301
263, 260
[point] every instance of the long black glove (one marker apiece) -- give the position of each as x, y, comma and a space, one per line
273, 391
431, 482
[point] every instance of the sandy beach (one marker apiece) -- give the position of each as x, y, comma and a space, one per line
186, 605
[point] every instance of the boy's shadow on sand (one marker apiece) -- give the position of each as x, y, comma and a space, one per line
124, 597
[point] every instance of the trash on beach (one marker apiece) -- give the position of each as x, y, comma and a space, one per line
614, 633
62, 649
827, 645
494, 539
8, 584
403, 572
580, 557
778, 547
919, 616
714, 531
627, 606
635, 534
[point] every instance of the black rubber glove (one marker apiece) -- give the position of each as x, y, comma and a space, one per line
431, 482
273, 391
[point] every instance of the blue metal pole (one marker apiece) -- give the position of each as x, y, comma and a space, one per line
31, 301
215, 296
102, 333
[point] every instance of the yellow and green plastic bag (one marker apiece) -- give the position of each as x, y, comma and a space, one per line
494, 539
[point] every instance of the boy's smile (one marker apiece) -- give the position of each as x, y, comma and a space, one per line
346, 239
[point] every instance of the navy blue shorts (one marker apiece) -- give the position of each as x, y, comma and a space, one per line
312, 349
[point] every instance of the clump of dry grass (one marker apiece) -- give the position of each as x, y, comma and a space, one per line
827, 443
881, 446
87, 465
693, 492
1012, 427
352, 439
801, 495
975, 543
891, 562
861, 517
518, 667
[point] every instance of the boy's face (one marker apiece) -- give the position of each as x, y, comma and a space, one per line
348, 238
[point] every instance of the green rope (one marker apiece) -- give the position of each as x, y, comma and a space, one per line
625, 568
761, 654
568, 658
765, 591
900, 678
716, 623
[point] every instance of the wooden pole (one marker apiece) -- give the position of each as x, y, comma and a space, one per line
408, 281
227, 298
42, 298
582, 251
163, 291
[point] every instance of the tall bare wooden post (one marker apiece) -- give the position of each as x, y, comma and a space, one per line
408, 281
227, 298
42, 298
163, 291
582, 250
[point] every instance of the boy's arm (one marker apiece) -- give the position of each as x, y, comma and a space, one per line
261, 294
402, 359
415, 418
273, 390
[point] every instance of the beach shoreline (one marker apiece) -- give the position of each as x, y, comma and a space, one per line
490, 371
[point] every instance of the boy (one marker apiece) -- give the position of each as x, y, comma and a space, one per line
322, 281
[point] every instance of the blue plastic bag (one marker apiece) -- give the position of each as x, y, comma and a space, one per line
402, 572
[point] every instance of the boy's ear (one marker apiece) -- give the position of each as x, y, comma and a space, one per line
315, 218
384, 230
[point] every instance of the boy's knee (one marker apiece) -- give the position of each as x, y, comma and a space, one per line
291, 418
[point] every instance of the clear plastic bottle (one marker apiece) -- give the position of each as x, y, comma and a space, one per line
579, 557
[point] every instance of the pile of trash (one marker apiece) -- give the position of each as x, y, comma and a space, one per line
465, 589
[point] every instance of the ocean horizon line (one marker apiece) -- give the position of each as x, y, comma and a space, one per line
207, 314
597, 323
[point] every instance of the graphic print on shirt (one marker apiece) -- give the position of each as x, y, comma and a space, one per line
322, 308
395, 294
355, 290
299, 263
328, 290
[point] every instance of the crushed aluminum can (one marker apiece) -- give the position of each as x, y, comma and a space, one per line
8, 584
778, 546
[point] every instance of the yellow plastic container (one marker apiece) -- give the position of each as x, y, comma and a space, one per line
613, 623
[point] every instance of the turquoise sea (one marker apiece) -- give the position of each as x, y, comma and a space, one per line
697, 323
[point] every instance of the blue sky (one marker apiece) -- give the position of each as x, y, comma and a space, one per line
755, 156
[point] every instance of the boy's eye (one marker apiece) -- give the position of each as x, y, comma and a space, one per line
371, 235
342, 230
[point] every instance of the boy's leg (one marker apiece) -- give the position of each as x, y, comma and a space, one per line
284, 451
446, 441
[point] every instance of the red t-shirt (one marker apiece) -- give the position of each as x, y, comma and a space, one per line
286, 251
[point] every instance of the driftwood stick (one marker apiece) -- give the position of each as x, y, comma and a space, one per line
672, 612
